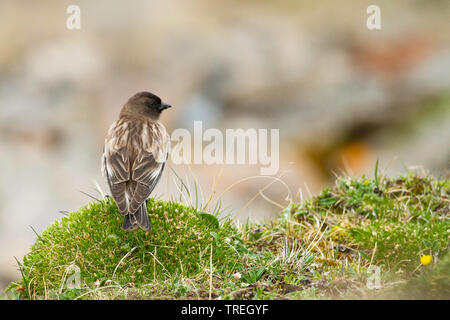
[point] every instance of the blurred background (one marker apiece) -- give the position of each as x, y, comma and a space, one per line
341, 95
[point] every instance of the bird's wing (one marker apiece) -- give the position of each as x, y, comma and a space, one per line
116, 163
149, 164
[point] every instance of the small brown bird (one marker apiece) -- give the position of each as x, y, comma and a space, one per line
135, 152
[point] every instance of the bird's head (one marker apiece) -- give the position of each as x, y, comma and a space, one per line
145, 104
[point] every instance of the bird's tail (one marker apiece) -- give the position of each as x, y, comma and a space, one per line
138, 219
129, 223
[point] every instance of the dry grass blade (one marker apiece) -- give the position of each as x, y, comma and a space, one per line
121, 260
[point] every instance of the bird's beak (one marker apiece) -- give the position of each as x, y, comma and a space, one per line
164, 106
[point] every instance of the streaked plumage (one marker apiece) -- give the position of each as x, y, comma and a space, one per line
134, 156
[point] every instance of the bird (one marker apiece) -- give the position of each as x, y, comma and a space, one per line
134, 156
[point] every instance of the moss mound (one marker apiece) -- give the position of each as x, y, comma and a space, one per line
92, 240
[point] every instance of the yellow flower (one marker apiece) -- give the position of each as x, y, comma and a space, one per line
426, 260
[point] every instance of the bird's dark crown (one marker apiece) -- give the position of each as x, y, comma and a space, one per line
145, 104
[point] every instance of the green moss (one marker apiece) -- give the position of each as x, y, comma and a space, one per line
92, 239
